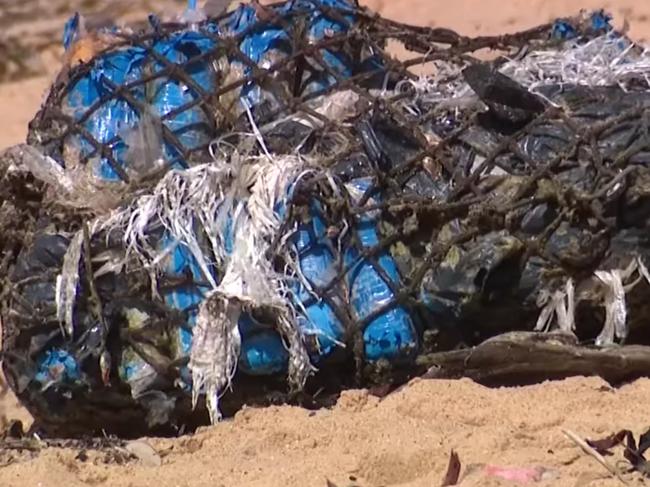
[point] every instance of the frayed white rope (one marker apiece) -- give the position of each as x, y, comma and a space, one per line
614, 301
67, 281
249, 281
604, 61
559, 305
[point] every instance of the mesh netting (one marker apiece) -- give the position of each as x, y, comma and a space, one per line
274, 191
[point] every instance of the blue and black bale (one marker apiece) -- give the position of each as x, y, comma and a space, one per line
408, 227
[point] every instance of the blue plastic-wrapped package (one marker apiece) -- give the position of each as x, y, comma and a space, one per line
171, 97
110, 115
57, 366
391, 334
322, 25
263, 352
95, 101
312, 250
267, 41
315, 258
185, 297
264, 44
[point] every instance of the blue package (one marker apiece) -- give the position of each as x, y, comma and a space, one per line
114, 69
264, 44
317, 265
57, 366
322, 26
191, 126
312, 247
105, 123
185, 298
267, 42
262, 350
391, 335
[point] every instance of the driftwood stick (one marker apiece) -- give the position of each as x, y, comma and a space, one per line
529, 357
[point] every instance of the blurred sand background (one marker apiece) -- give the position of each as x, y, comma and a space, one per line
402, 440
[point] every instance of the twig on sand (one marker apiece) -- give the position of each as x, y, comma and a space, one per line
597, 456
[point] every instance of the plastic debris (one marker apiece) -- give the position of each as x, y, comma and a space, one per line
520, 475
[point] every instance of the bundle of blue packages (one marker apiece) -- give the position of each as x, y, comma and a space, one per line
108, 99
262, 349
175, 103
387, 331
350, 272
266, 43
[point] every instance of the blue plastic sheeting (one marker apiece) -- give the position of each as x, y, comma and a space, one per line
264, 45
116, 115
191, 126
391, 335
187, 297
322, 26
57, 366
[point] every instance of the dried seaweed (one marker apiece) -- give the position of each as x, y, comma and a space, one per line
453, 470
634, 454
